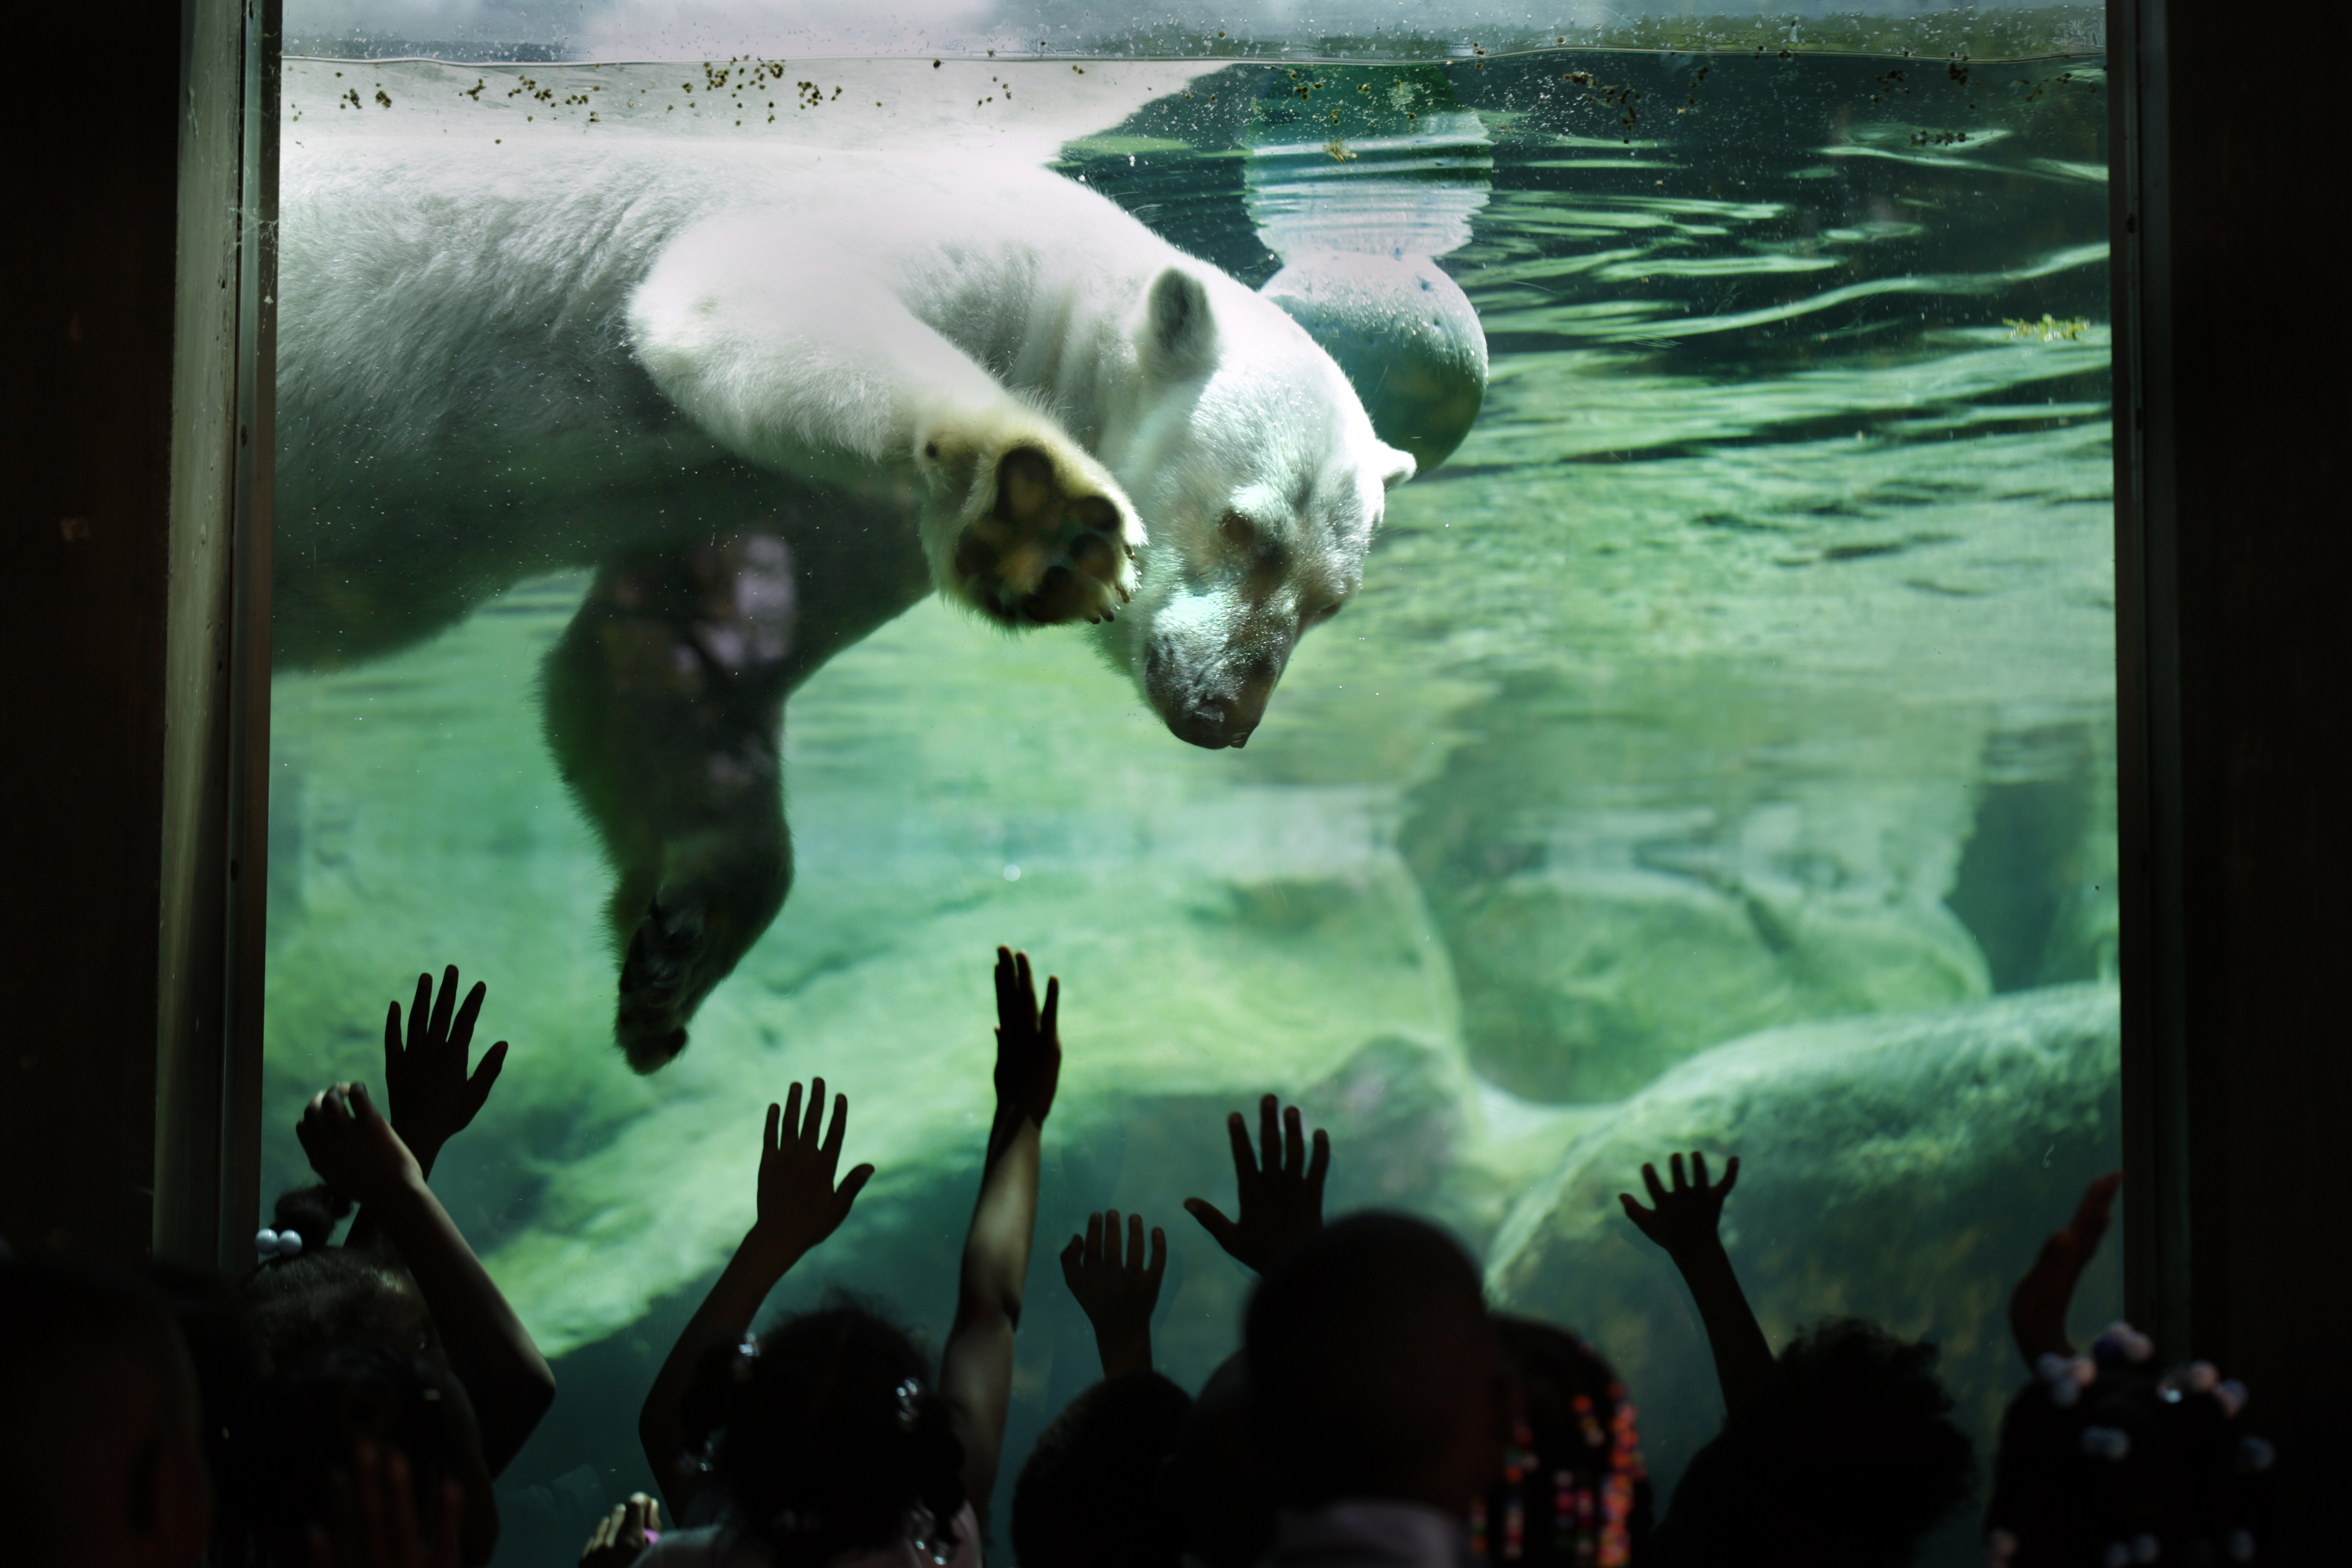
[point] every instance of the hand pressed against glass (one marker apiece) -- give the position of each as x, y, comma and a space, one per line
1118, 1293
799, 1203
1280, 1191
433, 1098
1687, 1215
1028, 1039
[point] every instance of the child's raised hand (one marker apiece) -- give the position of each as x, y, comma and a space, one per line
352, 1147
799, 1205
1028, 1042
1118, 1293
2037, 1311
432, 1097
1281, 1194
1686, 1216
622, 1536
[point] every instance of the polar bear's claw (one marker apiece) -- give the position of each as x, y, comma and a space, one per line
1045, 552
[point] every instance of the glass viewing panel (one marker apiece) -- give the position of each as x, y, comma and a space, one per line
1718, 752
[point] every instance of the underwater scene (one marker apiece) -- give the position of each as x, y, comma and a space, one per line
1718, 753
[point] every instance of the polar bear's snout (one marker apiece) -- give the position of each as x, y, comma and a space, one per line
1215, 705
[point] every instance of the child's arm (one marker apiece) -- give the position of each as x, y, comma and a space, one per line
431, 1097
355, 1151
1281, 1194
1118, 1297
1684, 1222
976, 1365
798, 1207
2037, 1312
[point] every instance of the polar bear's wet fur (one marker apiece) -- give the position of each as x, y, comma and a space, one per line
773, 398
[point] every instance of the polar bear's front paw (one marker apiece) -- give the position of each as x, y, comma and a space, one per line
1057, 544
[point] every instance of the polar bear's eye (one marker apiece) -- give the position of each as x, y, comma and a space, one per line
1237, 528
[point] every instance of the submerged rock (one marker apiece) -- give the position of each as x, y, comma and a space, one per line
1903, 1169
1406, 334
1643, 875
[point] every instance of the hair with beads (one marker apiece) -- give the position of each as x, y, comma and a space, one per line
1574, 1490
2108, 1457
326, 1297
829, 1437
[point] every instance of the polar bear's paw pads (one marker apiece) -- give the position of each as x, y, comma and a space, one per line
1045, 553
655, 998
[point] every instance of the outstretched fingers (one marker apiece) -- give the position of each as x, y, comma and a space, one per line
461, 1029
814, 1124
1319, 1166
839, 1130
485, 1075
443, 1004
1269, 1136
1213, 1218
1158, 1253
1244, 1158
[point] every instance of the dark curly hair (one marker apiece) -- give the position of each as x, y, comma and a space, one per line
828, 1435
1095, 1477
330, 1296
1847, 1459
312, 1414
2108, 1453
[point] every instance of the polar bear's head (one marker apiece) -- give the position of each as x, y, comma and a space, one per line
1260, 483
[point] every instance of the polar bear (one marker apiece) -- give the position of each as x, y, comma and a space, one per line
773, 398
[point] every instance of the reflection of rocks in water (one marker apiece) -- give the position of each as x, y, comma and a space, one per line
1626, 879
1903, 1169
2037, 883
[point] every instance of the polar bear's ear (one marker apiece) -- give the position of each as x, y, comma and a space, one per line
1180, 337
1395, 467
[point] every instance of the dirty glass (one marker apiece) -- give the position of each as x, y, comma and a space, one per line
1718, 750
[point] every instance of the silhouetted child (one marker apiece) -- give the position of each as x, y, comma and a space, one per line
98, 1419
1094, 1490
1840, 1453
1574, 1489
825, 1437
1226, 1492
1225, 1488
2110, 1458
1377, 1393
407, 1276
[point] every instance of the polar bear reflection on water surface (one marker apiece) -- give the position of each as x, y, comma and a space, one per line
773, 398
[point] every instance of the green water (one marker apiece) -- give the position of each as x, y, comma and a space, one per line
1750, 667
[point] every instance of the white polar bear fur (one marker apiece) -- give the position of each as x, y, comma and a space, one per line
862, 303
816, 313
